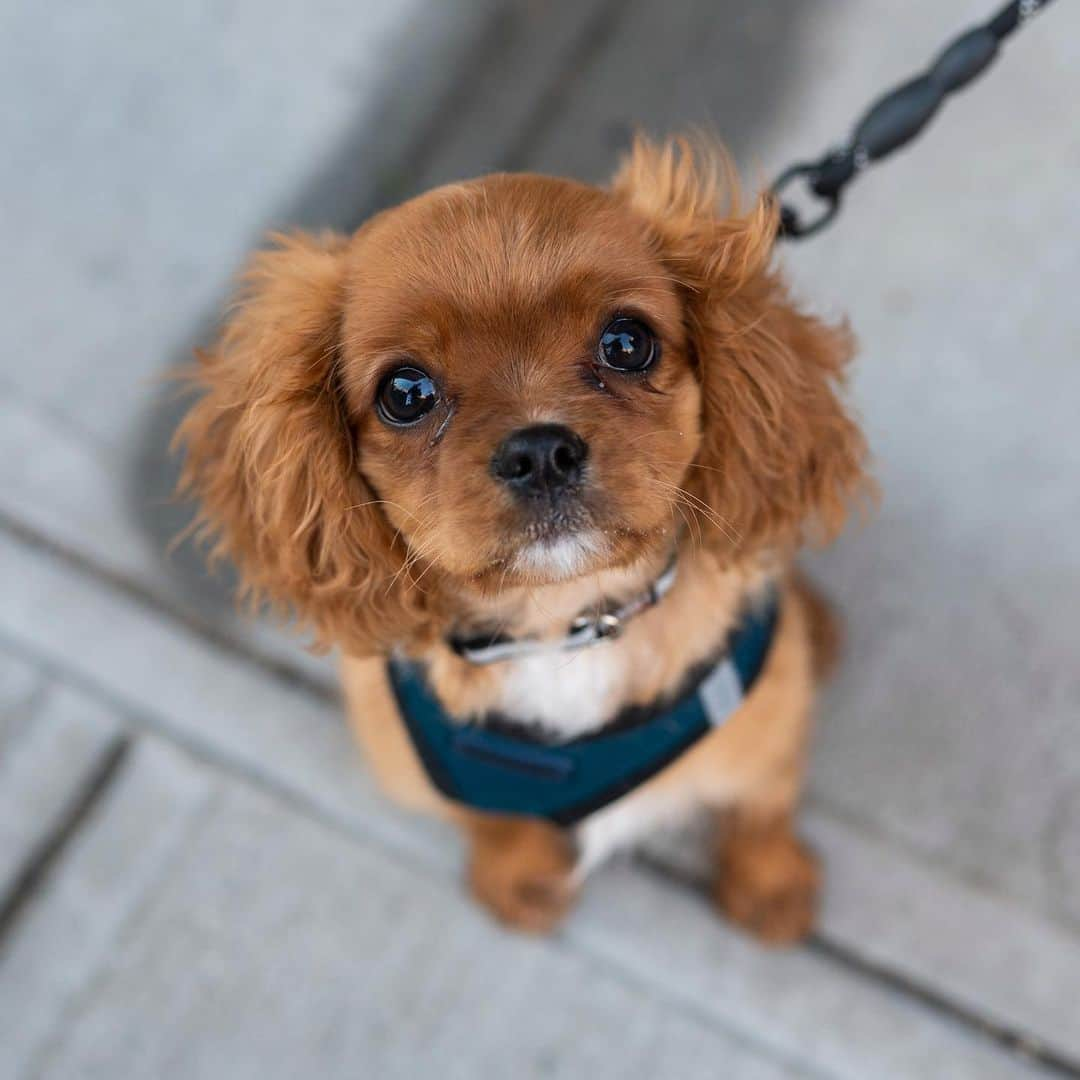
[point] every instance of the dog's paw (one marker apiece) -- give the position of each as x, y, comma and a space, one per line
535, 905
769, 886
524, 876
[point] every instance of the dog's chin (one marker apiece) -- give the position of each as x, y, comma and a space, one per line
559, 556
542, 557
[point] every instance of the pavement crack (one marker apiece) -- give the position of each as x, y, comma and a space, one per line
149, 599
36, 869
1013, 1040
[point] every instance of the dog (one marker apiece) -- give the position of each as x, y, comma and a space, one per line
537, 457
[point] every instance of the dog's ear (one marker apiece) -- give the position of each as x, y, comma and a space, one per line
780, 457
272, 460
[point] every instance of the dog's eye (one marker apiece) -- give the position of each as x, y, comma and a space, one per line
627, 345
406, 395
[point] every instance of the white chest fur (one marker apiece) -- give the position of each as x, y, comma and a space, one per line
571, 694
568, 693
623, 824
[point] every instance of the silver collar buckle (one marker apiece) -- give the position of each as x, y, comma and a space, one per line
585, 630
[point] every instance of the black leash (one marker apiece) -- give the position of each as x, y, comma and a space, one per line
896, 118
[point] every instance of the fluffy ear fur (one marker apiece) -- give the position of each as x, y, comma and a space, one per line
780, 457
270, 457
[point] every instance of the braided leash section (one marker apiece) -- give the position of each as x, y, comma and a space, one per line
897, 117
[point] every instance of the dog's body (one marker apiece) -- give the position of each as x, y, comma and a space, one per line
750, 767
411, 433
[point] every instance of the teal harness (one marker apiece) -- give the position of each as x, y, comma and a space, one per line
500, 766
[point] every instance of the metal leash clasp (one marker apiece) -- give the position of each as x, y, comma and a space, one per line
791, 223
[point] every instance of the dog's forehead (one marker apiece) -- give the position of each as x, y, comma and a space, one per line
478, 251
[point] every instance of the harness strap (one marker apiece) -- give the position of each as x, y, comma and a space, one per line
516, 773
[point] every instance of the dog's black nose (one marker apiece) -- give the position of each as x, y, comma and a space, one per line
543, 459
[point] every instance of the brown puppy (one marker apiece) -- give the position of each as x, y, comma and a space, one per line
516, 399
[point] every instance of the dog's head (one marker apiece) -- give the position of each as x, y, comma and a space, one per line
514, 381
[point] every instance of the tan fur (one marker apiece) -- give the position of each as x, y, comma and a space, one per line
731, 450
768, 881
521, 869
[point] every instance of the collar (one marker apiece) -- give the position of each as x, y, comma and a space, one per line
587, 629
503, 771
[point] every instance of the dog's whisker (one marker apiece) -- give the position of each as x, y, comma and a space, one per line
424, 524
414, 583
690, 465
413, 555
707, 511
693, 532
699, 506
381, 502
656, 433
693, 525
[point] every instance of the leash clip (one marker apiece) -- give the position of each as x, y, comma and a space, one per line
791, 222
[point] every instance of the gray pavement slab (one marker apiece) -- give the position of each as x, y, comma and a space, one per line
181, 684
683, 65
270, 948
51, 958
974, 948
797, 1001
47, 765
531, 53
71, 496
21, 689
148, 147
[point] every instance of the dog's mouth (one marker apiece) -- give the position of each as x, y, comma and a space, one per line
566, 544
559, 550
556, 555
557, 543
554, 540
557, 522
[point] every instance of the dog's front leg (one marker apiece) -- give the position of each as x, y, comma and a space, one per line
521, 869
767, 879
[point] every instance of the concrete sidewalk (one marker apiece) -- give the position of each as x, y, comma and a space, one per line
196, 875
